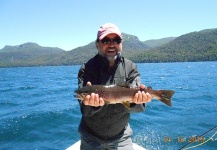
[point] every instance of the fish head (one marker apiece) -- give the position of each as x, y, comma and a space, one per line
80, 96
81, 93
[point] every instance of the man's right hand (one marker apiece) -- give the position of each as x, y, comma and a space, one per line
93, 99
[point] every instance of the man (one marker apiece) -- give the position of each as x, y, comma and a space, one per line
105, 126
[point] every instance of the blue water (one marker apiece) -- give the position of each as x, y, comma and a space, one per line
38, 110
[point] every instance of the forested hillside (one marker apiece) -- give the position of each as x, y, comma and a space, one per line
195, 46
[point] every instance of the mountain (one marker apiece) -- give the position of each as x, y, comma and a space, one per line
131, 45
31, 48
158, 42
194, 46
31, 54
27, 54
78, 55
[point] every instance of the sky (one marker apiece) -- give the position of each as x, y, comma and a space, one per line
68, 24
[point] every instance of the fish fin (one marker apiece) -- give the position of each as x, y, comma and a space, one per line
166, 96
127, 104
124, 85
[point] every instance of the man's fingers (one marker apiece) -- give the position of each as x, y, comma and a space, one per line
101, 102
89, 83
92, 99
139, 97
144, 96
96, 100
86, 100
149, 97
135, 98
142, 87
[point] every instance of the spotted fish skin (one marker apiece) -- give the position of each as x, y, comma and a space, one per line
121, 94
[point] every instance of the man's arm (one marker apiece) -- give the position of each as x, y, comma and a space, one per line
92, 103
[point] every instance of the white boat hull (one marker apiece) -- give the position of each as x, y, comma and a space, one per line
76, 146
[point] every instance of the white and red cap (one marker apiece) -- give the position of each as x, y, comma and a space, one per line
106, 29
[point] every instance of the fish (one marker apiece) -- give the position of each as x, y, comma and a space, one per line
113, 94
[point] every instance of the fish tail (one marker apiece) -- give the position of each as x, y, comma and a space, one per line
166, 96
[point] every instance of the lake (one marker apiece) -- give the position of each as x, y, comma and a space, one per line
38, 110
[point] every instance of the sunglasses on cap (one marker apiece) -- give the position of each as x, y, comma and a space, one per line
107, 40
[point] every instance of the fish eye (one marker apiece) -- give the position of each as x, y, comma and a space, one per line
84, 94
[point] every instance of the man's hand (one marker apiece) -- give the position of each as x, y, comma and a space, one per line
142, 97
93, 99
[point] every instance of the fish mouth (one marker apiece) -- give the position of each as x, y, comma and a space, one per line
78, 96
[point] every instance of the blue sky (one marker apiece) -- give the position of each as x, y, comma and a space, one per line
68, 24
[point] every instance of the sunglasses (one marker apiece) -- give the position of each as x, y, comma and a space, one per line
107, 40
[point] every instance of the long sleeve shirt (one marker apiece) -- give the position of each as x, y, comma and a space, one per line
110, 120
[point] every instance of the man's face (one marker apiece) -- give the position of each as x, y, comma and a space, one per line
110, 45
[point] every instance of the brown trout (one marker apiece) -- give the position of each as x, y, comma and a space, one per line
122, 94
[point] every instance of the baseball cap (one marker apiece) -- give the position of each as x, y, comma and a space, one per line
106, 29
